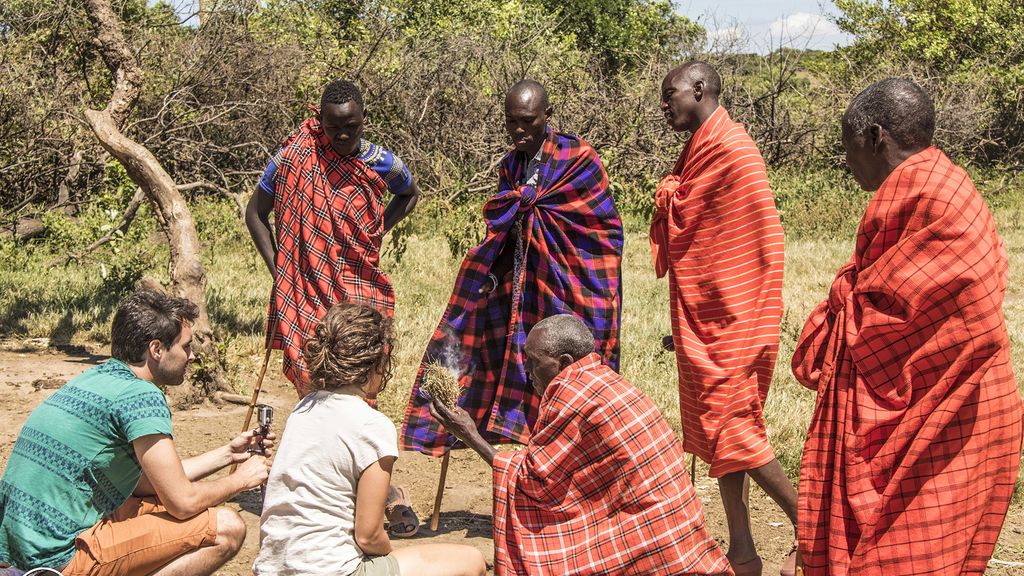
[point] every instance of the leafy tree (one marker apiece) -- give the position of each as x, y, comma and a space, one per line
624, 33
968, 53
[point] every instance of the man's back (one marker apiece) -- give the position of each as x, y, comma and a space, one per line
74, 462
601, 488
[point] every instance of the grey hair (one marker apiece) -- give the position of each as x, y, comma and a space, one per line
565, 334
900, 106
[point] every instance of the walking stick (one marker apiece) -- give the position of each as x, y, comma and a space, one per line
435, 517
693, 467
259, 384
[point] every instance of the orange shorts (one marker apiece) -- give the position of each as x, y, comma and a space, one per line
138, 538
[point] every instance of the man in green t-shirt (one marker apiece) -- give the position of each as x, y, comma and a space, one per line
94, 484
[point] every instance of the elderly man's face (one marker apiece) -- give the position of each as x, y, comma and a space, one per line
541, 367
525, 120
861, 159
343, 126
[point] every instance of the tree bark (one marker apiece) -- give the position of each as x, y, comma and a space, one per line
188, 278
64, 190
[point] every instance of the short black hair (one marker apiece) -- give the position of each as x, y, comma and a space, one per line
900, 106
700, 70
341, 91
530, 87
144, 316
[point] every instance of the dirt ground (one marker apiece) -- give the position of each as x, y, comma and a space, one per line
29, 372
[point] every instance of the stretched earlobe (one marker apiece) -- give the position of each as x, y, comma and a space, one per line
875, 131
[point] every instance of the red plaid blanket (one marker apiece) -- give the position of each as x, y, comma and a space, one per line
915, 440
329, 219
572, 239
601, 488
717, 235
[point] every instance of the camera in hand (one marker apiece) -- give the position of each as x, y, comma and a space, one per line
264, 418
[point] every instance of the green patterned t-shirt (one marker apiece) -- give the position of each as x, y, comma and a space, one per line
73, 463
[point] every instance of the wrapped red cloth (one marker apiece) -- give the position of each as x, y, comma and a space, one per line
913, 448
329, 222
601, 488
717, 235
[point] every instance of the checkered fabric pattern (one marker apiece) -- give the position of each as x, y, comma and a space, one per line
329, 218
601, 488
915, 440
572, 238
716, 233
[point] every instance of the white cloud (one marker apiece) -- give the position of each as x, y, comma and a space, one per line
803, 29
728, 37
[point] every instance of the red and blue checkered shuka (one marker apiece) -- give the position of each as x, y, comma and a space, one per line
329, 219
571, 242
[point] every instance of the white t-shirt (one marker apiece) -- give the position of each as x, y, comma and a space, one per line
308, 521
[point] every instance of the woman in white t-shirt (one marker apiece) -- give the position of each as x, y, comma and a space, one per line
324, 508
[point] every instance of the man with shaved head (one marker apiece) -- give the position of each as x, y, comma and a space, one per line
914, 445
553, 245
716, 234
601, 487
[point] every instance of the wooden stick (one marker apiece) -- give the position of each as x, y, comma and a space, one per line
259, 384
693, 467
435, 517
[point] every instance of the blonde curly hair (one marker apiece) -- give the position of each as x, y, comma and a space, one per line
347, 346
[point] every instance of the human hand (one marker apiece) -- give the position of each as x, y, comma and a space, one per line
254, 471
455, 420
239, 446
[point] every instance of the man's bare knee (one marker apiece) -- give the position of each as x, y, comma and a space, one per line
230, 529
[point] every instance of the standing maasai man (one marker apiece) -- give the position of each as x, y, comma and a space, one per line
326, 188
601, 487
716, 233
915, 440
553, 245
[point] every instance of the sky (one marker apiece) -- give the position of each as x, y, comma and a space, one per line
763, 25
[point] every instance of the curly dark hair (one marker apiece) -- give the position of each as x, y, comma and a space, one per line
348, 345
341, 91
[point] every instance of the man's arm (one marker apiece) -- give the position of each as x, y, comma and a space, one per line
400, 206
257, 219
182, 497
199, 467
458, 422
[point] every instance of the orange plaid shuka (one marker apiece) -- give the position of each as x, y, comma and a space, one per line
329, 220
716, 233
913, 448
601, 488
